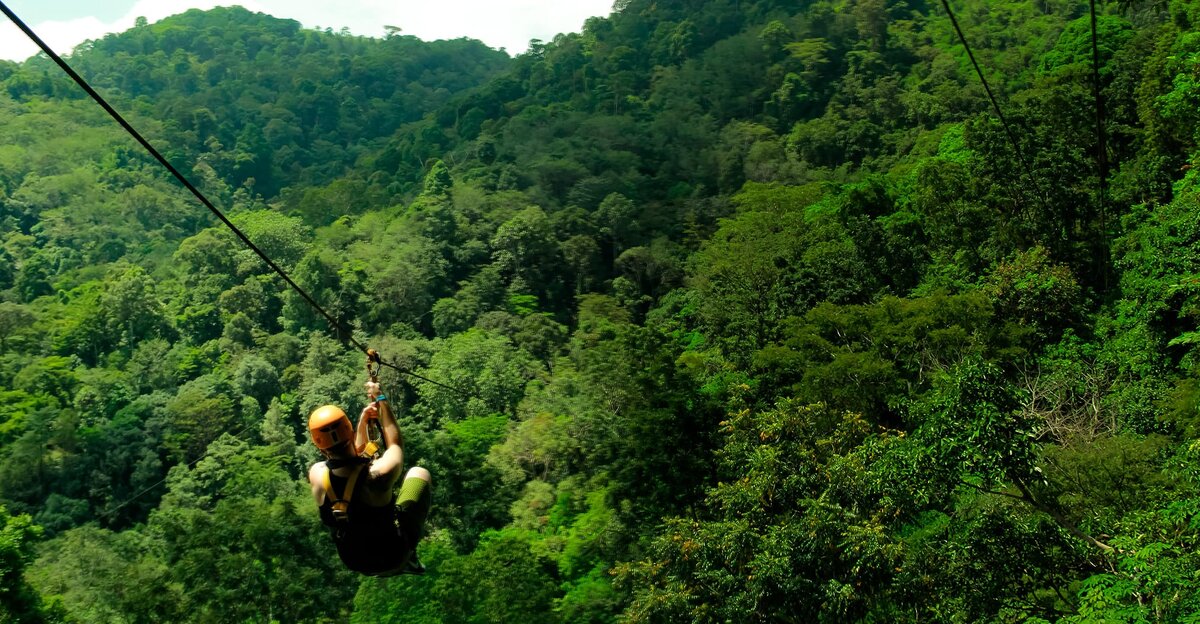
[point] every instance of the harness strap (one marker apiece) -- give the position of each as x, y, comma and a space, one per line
341, 504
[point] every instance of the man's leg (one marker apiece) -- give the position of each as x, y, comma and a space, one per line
412, 508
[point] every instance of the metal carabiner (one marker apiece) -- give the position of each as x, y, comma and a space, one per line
373, 358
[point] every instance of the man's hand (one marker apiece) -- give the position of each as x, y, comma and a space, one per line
370, 412
372, 390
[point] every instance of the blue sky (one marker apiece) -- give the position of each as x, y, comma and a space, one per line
508, 24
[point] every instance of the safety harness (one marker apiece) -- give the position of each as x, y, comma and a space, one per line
341, 502
340, 507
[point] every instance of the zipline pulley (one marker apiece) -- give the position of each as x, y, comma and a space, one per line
374, 365
375, 440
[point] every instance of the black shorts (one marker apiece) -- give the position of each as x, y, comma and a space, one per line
385, 549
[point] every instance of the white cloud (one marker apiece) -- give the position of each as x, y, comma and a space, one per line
498, 23
60, 36
63, 35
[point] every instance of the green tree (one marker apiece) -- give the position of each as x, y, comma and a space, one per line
100, 576
773, 261
485, 375
785, 536
13, 318
524, 249
501, 581
1033, 292
437, 181
283, 239
319, 274
257, 378
201, 410
21, 604
132, 312
617, 216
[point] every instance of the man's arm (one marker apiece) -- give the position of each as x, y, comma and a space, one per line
391, 430
361, 434
316, 480
388, 466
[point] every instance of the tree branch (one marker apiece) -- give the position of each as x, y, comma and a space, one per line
1028, 498
1060, 520
987, 491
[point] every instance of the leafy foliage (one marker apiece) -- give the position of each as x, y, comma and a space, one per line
738, 310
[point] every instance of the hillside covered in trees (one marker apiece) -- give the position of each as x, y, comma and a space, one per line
755, 310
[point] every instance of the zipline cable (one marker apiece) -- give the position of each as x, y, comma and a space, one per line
1012, 137
1101, 134
163, 480
83, 84
1101, 142
338, 328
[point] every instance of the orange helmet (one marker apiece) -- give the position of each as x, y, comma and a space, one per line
329, 427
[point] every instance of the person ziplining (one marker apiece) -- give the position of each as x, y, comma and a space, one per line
376, 530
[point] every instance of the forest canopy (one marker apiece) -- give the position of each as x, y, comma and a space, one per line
738, 311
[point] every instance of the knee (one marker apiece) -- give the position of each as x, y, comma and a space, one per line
418, 472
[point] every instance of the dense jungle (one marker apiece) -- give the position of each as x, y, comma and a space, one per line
740, 311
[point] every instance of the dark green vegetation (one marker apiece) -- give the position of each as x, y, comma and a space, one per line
761, 316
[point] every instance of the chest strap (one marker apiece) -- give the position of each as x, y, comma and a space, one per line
341, 503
